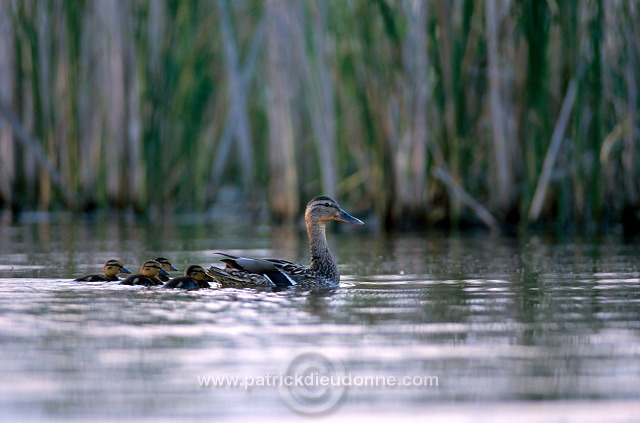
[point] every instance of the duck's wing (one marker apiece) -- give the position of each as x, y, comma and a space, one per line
294, 271
129, 280
276, 271
204, 284
233, 277
140, 280
173, 283
182, 282
92, 278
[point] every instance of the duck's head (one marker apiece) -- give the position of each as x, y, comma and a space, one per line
323, 209
197, 272
113, 267
152, 269
166, 264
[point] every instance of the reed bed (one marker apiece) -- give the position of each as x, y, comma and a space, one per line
496, 111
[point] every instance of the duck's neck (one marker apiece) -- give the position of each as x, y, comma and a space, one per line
321, 260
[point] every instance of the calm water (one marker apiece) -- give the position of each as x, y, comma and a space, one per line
475, 328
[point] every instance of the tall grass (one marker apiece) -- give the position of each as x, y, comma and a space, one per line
420, 111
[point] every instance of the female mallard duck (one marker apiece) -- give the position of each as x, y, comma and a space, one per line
194, 278
321, 273
148, 275
166, 265
111, 270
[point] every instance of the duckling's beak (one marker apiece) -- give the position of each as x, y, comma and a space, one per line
124, 270
164, 272
346, 217
173, 268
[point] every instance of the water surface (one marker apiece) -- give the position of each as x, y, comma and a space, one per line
480, 327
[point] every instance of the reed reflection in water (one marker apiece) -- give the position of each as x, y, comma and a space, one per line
512, 328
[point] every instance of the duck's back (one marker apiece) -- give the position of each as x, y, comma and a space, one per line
96, 278
186, 282
243, 271
140, 280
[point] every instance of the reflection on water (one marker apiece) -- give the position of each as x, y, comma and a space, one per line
497, 321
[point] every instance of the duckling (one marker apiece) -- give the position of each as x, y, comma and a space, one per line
111, 270
194, 278
148, 275
166, 265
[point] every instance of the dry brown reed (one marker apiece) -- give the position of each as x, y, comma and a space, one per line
420, 111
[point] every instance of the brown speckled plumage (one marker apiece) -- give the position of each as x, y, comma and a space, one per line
322, 271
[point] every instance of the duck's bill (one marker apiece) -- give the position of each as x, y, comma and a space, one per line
164, 272
346, 217
172, 267
124, 270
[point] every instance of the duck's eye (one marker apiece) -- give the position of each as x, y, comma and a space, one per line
328, 205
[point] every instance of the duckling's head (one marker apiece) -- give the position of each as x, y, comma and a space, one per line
166, 264
323, 209
197, 272
152, 269
113, 267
